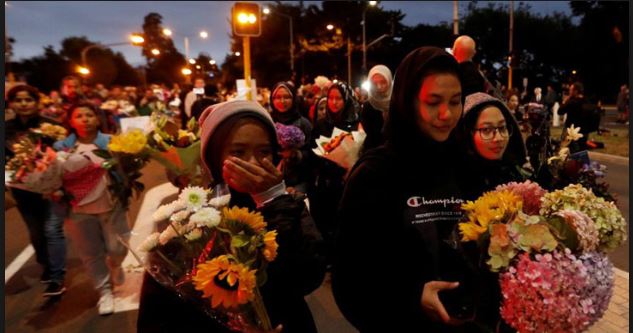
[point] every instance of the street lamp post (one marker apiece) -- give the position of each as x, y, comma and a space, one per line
292, 45
371, 3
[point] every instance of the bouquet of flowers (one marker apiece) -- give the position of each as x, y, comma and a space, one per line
126, 155
565, 168
35, 167
550, 251
176, 149
342, 147
212, 256
118, 108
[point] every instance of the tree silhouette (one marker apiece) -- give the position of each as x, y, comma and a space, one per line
167, 66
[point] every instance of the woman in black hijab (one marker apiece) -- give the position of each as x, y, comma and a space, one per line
392, 270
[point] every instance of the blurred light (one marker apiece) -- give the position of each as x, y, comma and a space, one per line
237, 54
155, 52
330, 27
211, 62
365, 85
266, 11
167, 32
192, 61
137, 39
186, 71
252, 18
197, 66
573, 72
242, 17
335, 81
448, 50
204, 34
373, 3
83, 70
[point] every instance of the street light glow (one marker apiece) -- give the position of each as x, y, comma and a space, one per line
192, 61
167, 32
242, 18
186, 71
83, 70
252, 18
237, 54
211, 62
155, 52
197, 66
365, 85
573, 72
373, 3
330, 27
137, 39
266, 11
204, 34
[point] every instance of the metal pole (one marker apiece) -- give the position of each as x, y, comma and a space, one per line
455, 19
349, 61
364, 42
247, 66
510, 45
292, 48
187, 48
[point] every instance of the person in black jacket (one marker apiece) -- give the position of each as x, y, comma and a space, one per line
393, 272
285, 110
325, 193
238, 148
493, 149
375, 109
578, 111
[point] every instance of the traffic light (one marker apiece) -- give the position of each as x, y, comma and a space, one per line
246, 19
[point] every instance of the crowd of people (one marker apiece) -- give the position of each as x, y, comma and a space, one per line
438, 134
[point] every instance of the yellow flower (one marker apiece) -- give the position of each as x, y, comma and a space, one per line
132, 142
492, 207
223, 282
270, 245
254, 220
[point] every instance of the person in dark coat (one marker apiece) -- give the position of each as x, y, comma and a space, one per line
376, 108
393, 272
285, 110
325, 194
578, 109
238, 148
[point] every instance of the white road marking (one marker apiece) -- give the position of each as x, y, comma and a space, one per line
18, 262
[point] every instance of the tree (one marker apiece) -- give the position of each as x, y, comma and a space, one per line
167, 66
44, 72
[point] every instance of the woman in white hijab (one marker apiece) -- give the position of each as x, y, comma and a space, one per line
375, 110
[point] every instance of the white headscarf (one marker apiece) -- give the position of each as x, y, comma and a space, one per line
377, 100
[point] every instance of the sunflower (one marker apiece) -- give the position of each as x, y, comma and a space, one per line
223, 282
254, 220
270, 245
489, 208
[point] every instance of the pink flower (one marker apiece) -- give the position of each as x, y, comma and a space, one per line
530, 192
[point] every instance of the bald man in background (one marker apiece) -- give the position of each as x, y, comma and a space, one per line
464, 50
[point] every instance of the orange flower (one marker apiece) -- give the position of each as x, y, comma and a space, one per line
270, 245
254, 220
224, 282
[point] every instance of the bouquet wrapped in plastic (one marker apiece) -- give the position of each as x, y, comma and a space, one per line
212, 256
176, 149
35, 167
550, 252
342, 148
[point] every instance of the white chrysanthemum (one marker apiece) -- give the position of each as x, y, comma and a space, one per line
206, 217
574, 133
220, 201
194, 197
194, 235
149, 243
168, 234
180, 216
165, 211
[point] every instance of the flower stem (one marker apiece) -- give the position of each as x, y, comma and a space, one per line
260, 310
173, 266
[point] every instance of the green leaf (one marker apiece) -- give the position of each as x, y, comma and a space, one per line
537, 237
102, 153
563, 232
239, 241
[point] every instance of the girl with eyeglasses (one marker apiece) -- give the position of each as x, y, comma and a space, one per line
493, 149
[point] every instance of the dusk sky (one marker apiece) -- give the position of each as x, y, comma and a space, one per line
35, 24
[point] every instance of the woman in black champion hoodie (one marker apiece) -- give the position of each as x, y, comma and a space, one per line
393, 270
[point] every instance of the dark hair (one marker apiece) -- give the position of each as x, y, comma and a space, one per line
32, 91
84, 105
71, 77
579, 87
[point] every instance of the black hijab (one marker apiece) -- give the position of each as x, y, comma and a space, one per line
292, 114
402, 132
349, 114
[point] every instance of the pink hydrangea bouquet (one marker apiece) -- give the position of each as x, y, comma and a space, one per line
550, 252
